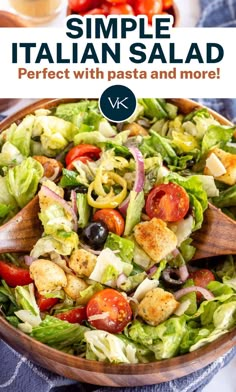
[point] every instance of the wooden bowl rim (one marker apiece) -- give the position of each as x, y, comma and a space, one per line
190, 362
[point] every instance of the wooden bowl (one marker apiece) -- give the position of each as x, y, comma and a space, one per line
8, 19
174, 10
103, 373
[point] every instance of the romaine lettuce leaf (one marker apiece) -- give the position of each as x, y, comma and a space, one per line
163, 340
23, 179
104, 346
134, 210
58, 333
20, 135
123, 245
216, 136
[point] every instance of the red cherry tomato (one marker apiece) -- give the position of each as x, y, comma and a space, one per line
121, 9
112, 218
87, 150
202, 278
96, 11
148, 7
167, 4
116, 1
83, 159
131, 2
118, 310
169, 202
45, 303
80, 5
76, 315
13, 275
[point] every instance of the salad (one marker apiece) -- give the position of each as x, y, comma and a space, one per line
112, 277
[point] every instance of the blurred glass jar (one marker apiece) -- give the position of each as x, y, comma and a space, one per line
37, 11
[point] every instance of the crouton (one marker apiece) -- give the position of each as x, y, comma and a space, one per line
48, 276
155, 239
82, 262
228, 161
74, 286
157, 306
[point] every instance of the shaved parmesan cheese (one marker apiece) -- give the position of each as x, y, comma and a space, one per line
182, 307
214, 164
100, 316
144, 287
182, 229
106, 261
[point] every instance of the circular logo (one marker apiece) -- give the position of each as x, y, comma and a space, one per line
117, 103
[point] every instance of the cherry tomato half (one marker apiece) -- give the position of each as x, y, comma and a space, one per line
76, 315
167, 4
148, 7
83, 159
45, 303
169, 202
96, 11
118, 310
121, 9
13, 275
116, 1
88, 150
80, 5
202, 278
112, 219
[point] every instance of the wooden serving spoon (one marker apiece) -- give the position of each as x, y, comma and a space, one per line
21, 233
217, 235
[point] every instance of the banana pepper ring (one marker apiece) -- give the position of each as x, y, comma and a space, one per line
108, 200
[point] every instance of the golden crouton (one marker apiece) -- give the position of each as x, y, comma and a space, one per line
48, 276
74, 286
157, 306
229, 162
82, 262
155, 239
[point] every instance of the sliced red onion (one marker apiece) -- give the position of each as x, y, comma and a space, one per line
183, 272
51, 194
139, 178
122, 278
206, 293
175, 252
151, 271
28, 260
86, 247
73, 200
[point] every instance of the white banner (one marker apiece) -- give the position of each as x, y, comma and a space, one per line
45, 62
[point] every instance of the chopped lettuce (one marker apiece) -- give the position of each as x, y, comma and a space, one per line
69, 178
55, 133
216, 136
23, 179
154, 108
20, 135
123, 245
108, 267
134, 211
163, 340
62, 242
10, 155
58, 333
104, 346
84, 210
226, 198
